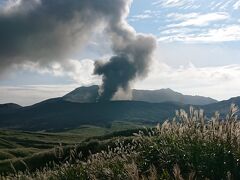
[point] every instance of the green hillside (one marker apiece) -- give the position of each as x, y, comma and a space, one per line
21, 145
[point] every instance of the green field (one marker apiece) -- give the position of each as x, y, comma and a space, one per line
16, 146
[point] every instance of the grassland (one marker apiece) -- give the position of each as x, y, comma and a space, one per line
19, 146
190, 146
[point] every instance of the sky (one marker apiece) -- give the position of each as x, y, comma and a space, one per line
197, 54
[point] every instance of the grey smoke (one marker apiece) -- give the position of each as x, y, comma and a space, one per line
133, 55
46, 31
131, 62
116, 74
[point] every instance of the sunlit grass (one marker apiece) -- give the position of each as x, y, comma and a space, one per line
189, 146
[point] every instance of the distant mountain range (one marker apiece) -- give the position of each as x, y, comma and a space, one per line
60, 113
90, 94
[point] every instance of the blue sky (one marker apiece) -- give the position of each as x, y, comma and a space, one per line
197, 53
187, 20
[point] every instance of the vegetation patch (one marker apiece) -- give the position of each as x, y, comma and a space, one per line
190, 146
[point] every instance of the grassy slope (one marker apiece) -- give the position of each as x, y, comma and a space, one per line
19, 145
188, 147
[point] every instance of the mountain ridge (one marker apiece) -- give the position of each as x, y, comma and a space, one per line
90, 94
58, 114
9, 107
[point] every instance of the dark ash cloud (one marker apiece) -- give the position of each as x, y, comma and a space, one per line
116, 73
132, 61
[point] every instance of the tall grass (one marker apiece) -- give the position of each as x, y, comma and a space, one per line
190, 146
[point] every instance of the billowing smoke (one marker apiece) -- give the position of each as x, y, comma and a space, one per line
46, 31
133, 55
132, 61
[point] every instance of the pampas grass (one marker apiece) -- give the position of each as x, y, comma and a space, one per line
190, 146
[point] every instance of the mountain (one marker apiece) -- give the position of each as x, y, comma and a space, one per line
9, 107
223, 106
59, 114
83, 94
90, 94
168, 95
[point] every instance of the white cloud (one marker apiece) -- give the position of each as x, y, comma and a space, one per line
229, 33
179, 16
147, 14
225, 5
171, 3
236, 6
142, 16
195, 19
79, 71
198, 4
217, 82
28, 95
84, 72
173, 32
194, 25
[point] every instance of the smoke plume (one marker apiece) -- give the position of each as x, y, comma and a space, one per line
48, 31
132, 61
133, 55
